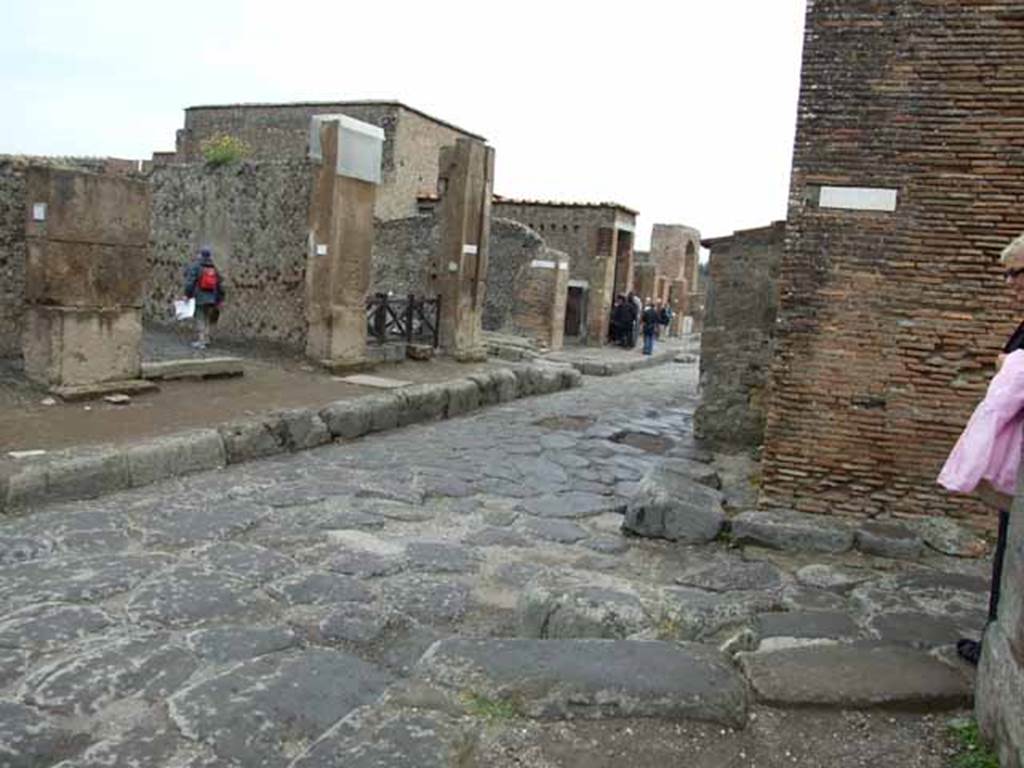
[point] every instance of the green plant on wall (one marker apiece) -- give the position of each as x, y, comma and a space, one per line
223, 149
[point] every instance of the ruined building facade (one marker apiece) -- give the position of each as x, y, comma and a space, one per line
908, 176
280, 132
598, 240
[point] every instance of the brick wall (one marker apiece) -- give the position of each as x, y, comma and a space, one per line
255, 216
890, 320
736, 342
412, 141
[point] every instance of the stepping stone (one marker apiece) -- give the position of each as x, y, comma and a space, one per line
792, 532
855, 676
262, 711
672, 505
566, 679
886, 539
694, 614
950, 538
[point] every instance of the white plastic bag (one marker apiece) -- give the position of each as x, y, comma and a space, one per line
184, 309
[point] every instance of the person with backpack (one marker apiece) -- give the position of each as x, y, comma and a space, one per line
203, 282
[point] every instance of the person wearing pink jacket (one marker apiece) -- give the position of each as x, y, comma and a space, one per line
987, 457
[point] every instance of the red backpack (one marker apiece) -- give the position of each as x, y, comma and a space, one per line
209, 280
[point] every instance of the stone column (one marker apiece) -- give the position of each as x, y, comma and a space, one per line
602, 277
999, 698
677, 298
341, 239
459, 275
87, 237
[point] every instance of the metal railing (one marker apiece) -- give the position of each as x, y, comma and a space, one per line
409, 319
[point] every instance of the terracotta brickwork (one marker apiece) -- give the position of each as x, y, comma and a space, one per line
890, 320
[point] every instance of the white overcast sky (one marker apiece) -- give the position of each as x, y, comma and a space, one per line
682, 109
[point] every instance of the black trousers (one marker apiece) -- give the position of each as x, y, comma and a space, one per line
997, 565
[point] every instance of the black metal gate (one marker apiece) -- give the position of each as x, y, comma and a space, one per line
408, 319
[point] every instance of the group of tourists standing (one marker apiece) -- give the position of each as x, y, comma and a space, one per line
632, 318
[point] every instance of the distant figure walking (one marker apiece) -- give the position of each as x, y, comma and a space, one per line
203, 282
636, 307
664, 318
986, 459
649, 321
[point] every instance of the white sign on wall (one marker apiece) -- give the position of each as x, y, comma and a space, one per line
39, 212
858, 198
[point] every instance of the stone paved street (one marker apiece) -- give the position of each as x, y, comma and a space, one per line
447, 594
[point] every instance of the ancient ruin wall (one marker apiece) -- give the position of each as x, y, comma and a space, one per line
736, 342
513, 247
675, 251
890, 321
255, 216
403, 252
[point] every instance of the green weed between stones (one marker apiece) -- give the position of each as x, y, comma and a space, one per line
972, 752
491, 709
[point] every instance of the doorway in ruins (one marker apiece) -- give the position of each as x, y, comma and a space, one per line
575, 310
624, 262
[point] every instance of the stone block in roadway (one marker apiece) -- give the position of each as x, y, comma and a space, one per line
568, 678
858, 675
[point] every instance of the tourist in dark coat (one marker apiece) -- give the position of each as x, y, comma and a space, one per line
622, 319
203, 282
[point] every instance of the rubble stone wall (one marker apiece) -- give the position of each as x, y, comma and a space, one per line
890, 320
255, 217
736, 342
403, 254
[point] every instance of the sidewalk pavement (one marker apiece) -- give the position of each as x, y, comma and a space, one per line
612, 361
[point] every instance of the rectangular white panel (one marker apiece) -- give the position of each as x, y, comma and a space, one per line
360, 146
858, 198
542, 264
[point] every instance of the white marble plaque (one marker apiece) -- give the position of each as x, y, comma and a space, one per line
542, 264
858, 198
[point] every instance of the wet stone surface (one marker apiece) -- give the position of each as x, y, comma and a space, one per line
276, 612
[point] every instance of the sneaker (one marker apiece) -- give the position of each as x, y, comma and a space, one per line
969, 650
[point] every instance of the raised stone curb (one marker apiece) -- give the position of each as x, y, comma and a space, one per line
617, 367
856, 675
88, 472
792, 532
564, 679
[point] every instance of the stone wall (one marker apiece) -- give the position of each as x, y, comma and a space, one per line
999, 699
890, 320
412, 141
12, 233
675, 250
255, 216
403, 253
539, 309
736, 342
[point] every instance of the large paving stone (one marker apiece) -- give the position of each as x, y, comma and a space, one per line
228, 644
402, 739
18, 549
920, 630
49, 626
695, 614
74, 579
248, 561
854, 676
582, 611
319, 589
792, 532
362, 563
427, 599
496, 537
561, 679
146, 745
830, 625
440, 557
353, 623
670, 504
835, 578
188, 594
262, 711
13, 664
106, 671
561, 531
571, 505
30, 740
188, 523
729, 576
949, 537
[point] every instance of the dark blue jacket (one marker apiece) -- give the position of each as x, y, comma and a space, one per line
192, 279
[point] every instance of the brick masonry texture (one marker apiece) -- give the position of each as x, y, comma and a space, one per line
412, 141
736, 342
255, 216
890, 321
